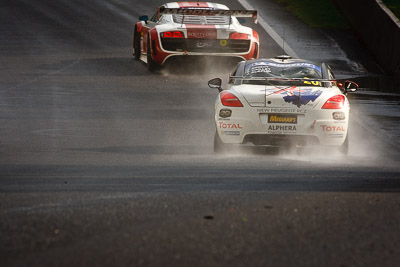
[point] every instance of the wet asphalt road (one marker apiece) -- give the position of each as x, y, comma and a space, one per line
105, 164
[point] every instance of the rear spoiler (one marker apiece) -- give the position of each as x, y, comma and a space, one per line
324, 82
282, 79
208, 12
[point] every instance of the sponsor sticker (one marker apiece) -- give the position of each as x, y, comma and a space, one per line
327, 128
201, 34
335, 135
283, 65
282, 118
225, 113
282, 129
281, 110
258, 69
231, 132
223, 42
339, 115
202, 44
224, 125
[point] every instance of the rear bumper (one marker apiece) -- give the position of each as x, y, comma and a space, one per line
205, 45
243, 49
313, 128
281, 140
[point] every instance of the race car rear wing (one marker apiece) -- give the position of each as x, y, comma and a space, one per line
265, 80
208, 12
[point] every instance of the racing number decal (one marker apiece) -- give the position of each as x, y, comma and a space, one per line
223, 42
315, 83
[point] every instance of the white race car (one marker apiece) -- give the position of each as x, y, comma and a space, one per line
282, 102
194, 29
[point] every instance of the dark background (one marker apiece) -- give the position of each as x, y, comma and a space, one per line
105, 164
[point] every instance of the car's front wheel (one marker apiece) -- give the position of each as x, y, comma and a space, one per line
219, 146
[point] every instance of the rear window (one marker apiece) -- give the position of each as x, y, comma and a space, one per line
283, 70
301, 70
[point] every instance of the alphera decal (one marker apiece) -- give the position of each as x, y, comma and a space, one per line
281, 129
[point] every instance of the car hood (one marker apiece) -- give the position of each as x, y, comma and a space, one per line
282, 96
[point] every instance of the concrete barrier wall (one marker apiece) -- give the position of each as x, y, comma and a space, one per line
379, 30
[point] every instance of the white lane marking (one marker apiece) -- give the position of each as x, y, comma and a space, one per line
91, 132
42, 208
274, 35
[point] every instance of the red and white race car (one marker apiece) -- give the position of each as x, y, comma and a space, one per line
194, 29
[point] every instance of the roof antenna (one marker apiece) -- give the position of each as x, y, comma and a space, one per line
284, 56
198, 3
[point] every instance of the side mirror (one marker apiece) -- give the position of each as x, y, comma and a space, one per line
215, 84
144, 18
350, 86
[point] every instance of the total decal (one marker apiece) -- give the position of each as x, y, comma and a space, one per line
327, 128
223, 125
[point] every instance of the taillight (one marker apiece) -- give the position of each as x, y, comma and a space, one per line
255, 35
236, 35
174, 34
335, 102
230, 100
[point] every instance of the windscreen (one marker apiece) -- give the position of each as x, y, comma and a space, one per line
302, 70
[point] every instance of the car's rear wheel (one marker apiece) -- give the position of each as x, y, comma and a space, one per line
136, 44
151, 65
219, 146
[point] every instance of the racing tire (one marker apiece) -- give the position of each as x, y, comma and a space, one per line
219, 146
136, 44
151, 65
344, 148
